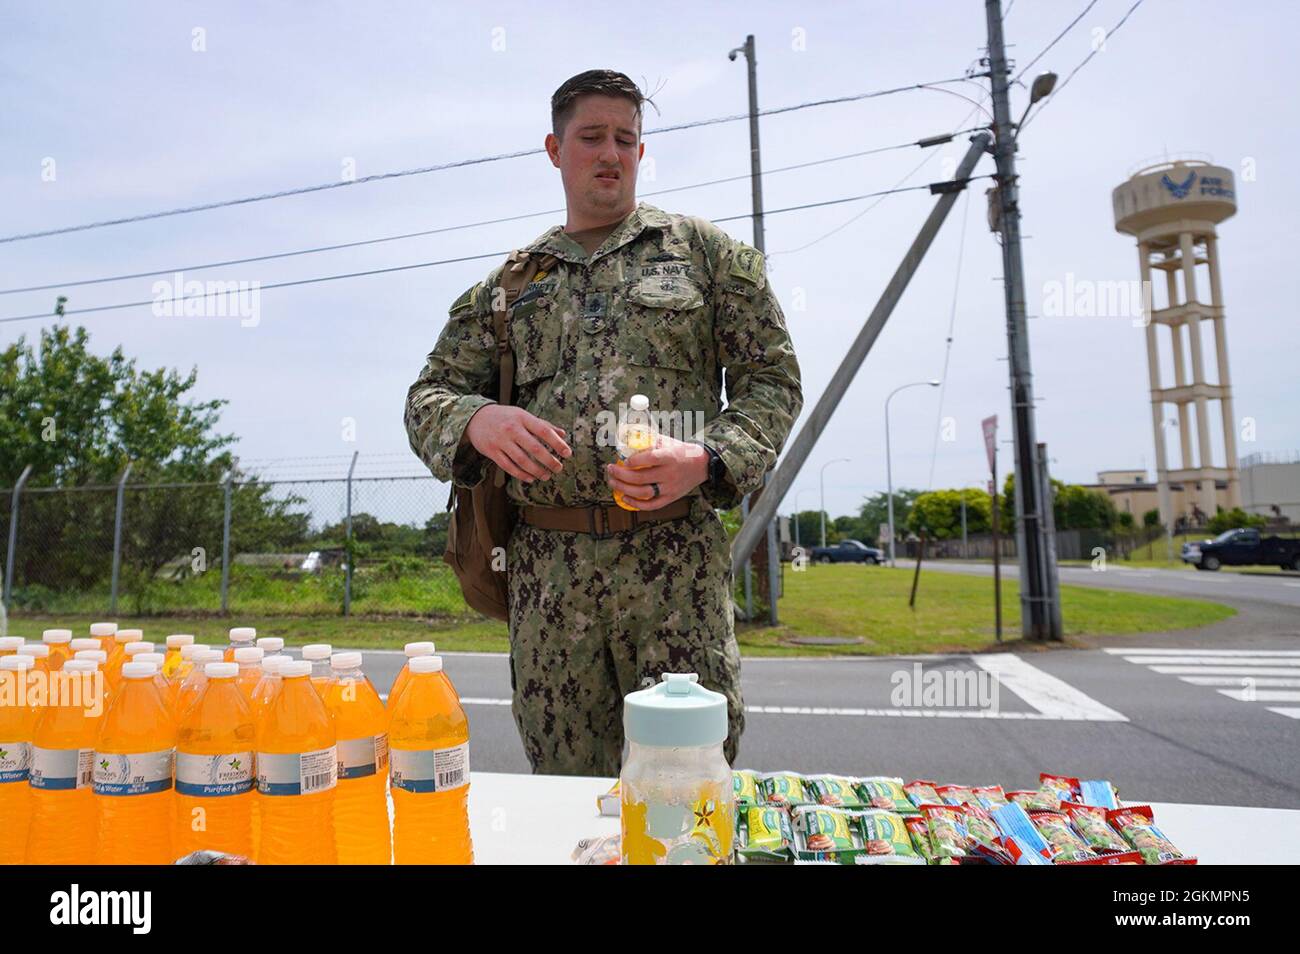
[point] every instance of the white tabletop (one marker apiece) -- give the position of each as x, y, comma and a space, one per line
539, 819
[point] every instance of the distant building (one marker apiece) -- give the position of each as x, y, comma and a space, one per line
1270, 487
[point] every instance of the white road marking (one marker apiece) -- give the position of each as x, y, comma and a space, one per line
1052, 697
1215, 660
1291, 712
1204, 652
1252, 680
1249, 694
1223, 670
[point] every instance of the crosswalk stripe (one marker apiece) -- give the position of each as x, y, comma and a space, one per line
1215, 661
1223, 671
1202, 652
1249, 694
1291, 712
1050, 696
1275, 682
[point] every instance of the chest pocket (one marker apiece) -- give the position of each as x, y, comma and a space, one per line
534, 337
665, 324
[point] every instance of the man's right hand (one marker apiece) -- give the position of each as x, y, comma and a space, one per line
522, 445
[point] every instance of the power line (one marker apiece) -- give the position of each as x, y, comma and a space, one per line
455, 164
947, 351
1059, 37
452, 228
446, 261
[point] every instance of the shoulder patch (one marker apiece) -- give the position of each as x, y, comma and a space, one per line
466, 300
747, 264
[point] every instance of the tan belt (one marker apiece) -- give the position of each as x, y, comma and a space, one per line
601, 522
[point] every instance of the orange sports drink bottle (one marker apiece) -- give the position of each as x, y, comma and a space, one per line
134, 757
267, 686
249, 661
9, 645
215, 769
297, 773
60, 643
64, 816
192, 687
83, 643
270, 645
40, 654
175, 643
104, 632
186, 665
118, 654
318, 654
240, 636
164, 687
423, 648
428, 738
361, 800
17, 727
634, 435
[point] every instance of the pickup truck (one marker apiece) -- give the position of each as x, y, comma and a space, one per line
1241, 547
846, 551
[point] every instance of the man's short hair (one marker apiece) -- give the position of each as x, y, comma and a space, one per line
600, 82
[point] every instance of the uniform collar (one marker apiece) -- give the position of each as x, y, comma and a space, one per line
557, 242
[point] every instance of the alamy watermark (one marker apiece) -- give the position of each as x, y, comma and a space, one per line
1089, 298
177, 298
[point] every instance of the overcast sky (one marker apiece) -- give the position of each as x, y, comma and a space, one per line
136, 119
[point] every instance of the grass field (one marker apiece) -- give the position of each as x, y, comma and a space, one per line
954, 612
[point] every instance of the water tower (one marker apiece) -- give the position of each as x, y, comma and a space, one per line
1172, 209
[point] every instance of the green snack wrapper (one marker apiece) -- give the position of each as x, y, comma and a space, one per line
834, 791
919, 829
881, 791
782, 788
885, 839
825, 834
744, 786
763, 833
947, 836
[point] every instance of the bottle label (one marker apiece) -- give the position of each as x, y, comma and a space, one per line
365, 756
207, 776
58, 769
430, 770
140, 773
298, 773
15, 761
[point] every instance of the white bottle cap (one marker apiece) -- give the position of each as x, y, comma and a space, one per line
103, 629
17, 662
420, 649
426, 664
38, 650
128, 635
221, 670
639, 402
271, 664
272, 644
243, 634
139, 646
295, 667
80, 665
138, 670
345, 661
177, 640
187, 652
57, 636
11, 643
204, 656
83, 642
317, 651
98, 655
248, 654
156, 658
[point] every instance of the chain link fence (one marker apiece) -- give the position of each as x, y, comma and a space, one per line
339, 545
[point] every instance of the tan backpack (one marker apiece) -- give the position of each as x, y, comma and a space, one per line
483, 517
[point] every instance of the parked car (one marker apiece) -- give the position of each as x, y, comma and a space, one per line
846, 551
1241, 547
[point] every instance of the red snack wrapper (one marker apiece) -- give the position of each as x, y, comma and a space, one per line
922, 792
956, 794
1037, 801
1090, 822
984, 834
947, 835
1067, 844
1066, 787
1137, 824
989, 796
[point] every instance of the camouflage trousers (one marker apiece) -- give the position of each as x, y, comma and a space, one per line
594, 619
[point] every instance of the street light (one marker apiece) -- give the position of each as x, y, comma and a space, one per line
889, 471
822, 481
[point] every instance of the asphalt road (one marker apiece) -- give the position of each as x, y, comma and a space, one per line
1207, 716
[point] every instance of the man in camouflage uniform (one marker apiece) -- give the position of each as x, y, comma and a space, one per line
638, 301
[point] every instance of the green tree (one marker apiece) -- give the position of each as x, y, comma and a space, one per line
1074, 507
1234, 518
1151, 518
875, 510
938, 513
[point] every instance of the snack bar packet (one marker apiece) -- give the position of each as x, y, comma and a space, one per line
1014, 823
781, 788
1041, 801
948, 839
825, 834
1090, 822
989, 796
763, 833
955, 794
983, 834
744, 786
881, 791
885, 839
1098, 792
833, 790
919, 829
1066, 843
1064, 787
1137, 825
921, 792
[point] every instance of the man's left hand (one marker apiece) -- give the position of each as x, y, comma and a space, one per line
673, 467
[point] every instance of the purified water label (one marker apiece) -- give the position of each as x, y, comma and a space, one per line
140, 773
430, 770
55, 769
298, 773
367, 755
214, 775
15, 761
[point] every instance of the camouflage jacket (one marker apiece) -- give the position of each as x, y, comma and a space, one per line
662, 308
